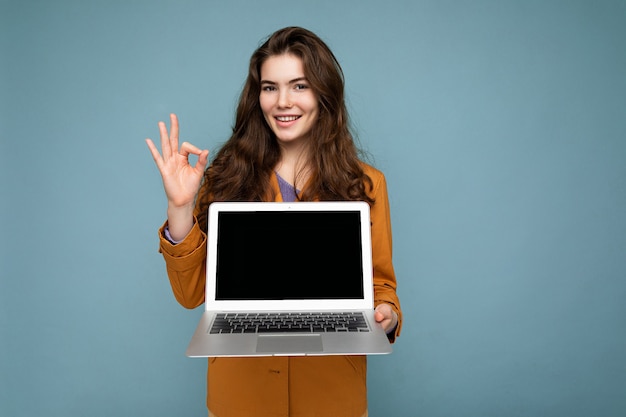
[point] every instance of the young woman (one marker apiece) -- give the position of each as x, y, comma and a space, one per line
291, 142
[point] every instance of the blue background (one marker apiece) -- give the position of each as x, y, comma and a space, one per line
501, 127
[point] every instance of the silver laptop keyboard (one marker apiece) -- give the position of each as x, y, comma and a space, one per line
322, 322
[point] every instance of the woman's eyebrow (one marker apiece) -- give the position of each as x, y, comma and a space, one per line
295, 80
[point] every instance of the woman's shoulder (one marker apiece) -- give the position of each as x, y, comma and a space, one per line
378, 181
372, 172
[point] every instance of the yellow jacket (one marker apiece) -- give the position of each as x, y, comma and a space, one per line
287, 386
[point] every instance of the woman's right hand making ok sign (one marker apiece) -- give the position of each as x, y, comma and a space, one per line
180, 180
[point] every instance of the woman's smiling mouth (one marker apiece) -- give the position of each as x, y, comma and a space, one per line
287, 118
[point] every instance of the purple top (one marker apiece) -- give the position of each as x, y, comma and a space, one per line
287, 190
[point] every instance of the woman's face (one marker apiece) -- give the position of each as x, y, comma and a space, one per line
289, 104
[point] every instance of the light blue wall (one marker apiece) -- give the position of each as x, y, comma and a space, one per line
501, 126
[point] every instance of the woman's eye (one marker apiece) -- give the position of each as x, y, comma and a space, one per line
268, 88
301, 86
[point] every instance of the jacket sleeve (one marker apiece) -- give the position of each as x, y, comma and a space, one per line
186, 266
384, 276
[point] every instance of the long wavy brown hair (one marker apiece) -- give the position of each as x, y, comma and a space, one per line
242, 169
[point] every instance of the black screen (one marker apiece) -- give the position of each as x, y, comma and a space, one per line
289, 255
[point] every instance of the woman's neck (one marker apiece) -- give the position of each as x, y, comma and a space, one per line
293, 166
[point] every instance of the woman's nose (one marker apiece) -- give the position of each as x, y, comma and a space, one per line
284, 100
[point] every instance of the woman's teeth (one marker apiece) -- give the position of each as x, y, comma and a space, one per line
286, 118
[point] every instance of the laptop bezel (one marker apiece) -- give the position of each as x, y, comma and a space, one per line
366, 302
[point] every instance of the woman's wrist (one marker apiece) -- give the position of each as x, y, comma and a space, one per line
179, 221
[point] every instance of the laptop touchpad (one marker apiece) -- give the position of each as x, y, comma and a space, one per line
289, 344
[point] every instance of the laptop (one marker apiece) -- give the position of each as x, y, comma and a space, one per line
288, 279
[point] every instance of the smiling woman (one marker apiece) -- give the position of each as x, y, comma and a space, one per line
288, 103
290, 108
291, 142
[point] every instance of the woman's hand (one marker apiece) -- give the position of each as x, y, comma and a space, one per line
180, 180
385, 315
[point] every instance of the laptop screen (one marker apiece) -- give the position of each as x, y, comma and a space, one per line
289, 255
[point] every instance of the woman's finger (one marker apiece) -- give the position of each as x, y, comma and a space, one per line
155, 153
166, 148
187, 148
203, 160
174, 132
